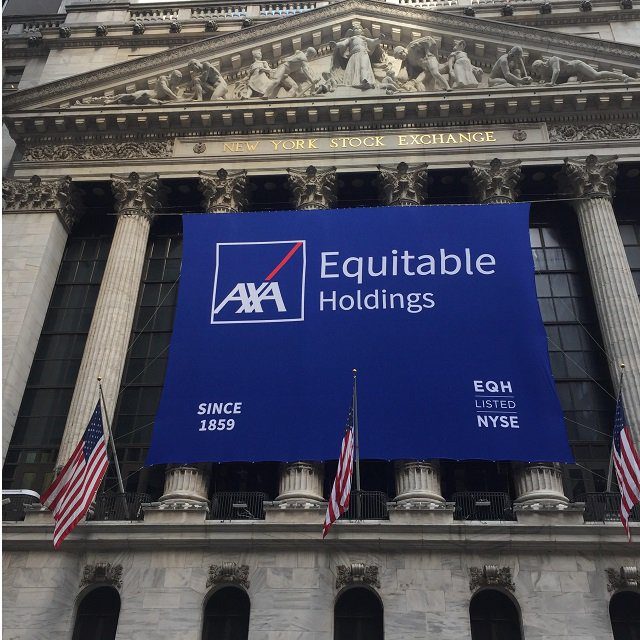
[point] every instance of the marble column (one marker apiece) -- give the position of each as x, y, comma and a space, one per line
418, 481
496, 181
137, 198
540, 483
592, 182
186, 485
224, 191
313, 188
38, 215
403, 186
301, 481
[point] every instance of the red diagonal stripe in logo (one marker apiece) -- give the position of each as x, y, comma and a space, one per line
283, 261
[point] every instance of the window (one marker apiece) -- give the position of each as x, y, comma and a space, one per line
11, 78
494, 616
226, 615
358, 616
97, 617
624, 610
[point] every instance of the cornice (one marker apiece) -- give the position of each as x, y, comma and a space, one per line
371, 9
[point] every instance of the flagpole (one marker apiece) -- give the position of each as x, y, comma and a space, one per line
356, 442
113, 449
610, 472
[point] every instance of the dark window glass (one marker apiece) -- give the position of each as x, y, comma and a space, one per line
624, 610
226, 615
97, 617
11, 78
494, 617
358, 616
630, 233
45, 403
578, 362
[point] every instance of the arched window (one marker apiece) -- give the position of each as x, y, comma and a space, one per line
97, 617
624, 610
226, 615
494, 616
358, 616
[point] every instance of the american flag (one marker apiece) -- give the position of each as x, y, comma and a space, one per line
341, 491
73, 490
627, 464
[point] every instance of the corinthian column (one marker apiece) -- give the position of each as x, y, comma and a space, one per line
224, 192
313, 188
402, 186
592, 181
137, 198
495, 182
37, 217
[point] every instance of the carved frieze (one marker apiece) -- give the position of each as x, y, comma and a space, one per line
99, 151
495, 181
403, 186
622, 578
103, 573
599, 131
357, 573
490, 576
590, 177
312, 188
228, 573
137, 194
224, 191
35, 194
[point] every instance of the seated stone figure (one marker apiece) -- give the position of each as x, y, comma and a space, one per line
509, 69
555, 70
293, 65
207, 82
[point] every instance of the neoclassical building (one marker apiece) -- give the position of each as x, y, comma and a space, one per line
119, 117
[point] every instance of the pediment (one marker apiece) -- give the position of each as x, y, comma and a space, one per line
225, 69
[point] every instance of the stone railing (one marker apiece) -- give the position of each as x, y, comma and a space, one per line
228, 11
153, 15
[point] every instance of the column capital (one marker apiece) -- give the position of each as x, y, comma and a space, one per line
223, 191
496, 181
590, 177
38, 195
402, 185
313, 188
137, 194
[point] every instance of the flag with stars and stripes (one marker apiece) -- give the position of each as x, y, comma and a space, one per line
341, 491
627, 465
72, 492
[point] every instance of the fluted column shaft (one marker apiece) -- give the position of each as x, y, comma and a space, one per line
540, 483
106, 347
185, 484
301, 481
418, 480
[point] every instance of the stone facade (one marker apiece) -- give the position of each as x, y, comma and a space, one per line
297, 99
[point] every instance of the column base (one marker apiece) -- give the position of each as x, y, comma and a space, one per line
295, 511
549, 512
421, 512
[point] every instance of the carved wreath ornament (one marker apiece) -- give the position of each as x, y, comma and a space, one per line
228, 573
102, 573
357, 573
490, 576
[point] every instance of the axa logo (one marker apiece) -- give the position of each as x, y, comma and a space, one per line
259, 282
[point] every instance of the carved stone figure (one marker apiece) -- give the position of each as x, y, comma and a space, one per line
353, 56
294, 66
312, 188
164, 91
260, 76
555, 70
207, 82
224, 192
420, 66
462, 74
509, 70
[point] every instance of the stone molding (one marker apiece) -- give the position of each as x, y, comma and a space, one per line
228, 573
312, 188
38, 195
402, 185
495, 181
137, 194
622, 578
300, 22
105, 151
590, 177
490, 576
223, 191
102, 573
357, 573
596, 131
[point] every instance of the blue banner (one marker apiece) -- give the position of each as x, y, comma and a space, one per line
434, 306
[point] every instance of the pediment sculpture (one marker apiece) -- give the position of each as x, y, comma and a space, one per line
358, 64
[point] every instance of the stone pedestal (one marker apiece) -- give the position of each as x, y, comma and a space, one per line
592, 180
106, 347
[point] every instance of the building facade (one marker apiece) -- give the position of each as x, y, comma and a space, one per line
119, 117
